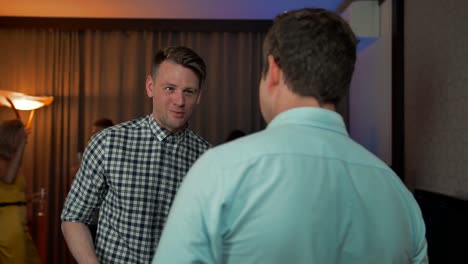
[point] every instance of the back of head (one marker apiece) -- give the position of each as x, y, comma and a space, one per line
183, 56
235, 134
316, 51
102, 123
9, 136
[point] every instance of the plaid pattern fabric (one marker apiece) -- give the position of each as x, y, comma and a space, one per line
132, 172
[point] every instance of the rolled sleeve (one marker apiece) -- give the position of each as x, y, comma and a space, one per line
89, 186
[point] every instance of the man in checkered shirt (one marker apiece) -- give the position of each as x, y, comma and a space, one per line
133, 170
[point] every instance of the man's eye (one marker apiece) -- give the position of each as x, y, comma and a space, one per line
169, 88
189, 92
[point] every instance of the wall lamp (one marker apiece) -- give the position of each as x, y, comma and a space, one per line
19, 101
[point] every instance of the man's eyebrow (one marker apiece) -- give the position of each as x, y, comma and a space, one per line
168, 83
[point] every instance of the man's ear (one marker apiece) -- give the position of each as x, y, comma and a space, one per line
149, 86
274, 72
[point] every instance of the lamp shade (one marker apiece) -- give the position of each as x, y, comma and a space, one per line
22, 101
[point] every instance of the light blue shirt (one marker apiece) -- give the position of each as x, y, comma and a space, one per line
300, 191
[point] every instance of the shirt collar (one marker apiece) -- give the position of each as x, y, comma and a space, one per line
163, 134
311, 116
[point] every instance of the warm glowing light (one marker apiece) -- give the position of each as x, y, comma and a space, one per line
25, 104
22, 101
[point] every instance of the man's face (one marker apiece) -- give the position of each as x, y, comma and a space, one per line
175, 91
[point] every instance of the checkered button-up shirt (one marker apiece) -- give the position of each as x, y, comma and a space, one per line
132, 172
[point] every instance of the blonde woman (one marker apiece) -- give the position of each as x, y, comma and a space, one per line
16, 245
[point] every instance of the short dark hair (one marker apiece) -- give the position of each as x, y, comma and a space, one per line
235, 134
315, 49
8, 136
103, 122
183, 56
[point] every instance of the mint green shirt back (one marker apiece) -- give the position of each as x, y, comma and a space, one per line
300, 191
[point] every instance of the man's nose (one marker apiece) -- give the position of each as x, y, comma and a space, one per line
179, 98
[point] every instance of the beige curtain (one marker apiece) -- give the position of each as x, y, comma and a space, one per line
44, 62
94, 74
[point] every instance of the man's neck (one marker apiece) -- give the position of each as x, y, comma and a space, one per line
290, 100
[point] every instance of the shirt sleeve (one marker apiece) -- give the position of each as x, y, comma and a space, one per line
420, 256
89, 186
419, 252
193, 231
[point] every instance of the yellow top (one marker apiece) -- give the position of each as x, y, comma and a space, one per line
15, 192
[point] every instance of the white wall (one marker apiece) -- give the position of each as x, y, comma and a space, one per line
436, 96
370, 112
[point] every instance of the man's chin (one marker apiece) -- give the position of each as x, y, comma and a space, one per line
178, 125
